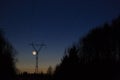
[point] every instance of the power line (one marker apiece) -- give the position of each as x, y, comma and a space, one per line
37, 48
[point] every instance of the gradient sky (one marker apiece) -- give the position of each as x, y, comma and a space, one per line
58, 23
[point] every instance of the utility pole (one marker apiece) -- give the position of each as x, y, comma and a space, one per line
37, 48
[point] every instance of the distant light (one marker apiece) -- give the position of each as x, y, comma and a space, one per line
34, 53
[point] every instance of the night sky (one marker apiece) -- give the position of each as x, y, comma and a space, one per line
58, 23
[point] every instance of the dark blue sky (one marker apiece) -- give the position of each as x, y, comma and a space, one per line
58, 23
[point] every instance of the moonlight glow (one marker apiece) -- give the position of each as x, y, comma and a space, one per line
34, 52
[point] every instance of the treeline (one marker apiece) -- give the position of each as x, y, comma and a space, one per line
34, 76
96, 56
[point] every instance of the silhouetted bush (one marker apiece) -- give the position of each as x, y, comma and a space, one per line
7, 61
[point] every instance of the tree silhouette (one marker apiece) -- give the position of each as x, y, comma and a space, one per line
50, 70
7, 61
68, 65
96, 56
